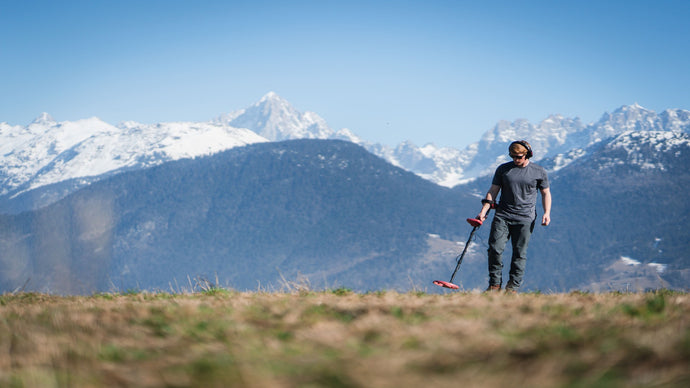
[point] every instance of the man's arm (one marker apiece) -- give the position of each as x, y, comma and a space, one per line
546, 203
491, 195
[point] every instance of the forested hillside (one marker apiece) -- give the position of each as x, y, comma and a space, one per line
327, 209
332, 214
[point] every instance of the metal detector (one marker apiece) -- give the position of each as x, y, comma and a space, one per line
476, 223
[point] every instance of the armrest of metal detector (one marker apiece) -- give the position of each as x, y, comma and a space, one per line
492, 204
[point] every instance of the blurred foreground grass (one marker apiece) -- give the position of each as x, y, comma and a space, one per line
339, 338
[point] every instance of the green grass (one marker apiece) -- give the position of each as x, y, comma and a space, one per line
340, 338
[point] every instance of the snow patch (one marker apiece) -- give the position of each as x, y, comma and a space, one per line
658, 267
628, 261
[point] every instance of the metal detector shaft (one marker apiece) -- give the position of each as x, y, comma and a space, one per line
475, 222
459, 258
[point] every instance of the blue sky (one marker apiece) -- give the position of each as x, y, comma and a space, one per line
426, 71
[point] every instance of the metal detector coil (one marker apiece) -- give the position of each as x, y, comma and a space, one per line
441, 283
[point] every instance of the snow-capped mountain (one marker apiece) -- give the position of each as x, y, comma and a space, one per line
46, 151
643, 150
564, 139
276, 119
554, 137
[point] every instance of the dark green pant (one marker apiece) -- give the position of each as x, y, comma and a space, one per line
518, 233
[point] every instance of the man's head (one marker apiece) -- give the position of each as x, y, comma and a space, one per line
520, 151
520, 147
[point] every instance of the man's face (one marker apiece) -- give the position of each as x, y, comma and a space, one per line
519, 159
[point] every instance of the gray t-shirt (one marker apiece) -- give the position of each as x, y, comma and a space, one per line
519, 189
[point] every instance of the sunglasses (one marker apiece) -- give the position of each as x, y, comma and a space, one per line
516, 156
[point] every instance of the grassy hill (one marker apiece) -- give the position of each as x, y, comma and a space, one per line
338, 338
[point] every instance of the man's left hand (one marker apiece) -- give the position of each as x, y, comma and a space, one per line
546, 219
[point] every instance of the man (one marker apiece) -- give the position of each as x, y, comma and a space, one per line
518, 182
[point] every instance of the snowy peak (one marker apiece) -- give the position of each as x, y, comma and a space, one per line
554, 130
276, 119
566, 139
44, 119
675, 120
625, 118
273, 106
272, 98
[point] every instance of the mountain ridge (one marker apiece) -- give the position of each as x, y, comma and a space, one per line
46, 152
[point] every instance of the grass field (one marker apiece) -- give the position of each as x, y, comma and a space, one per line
337, 338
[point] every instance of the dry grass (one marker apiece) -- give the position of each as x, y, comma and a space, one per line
338, 338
